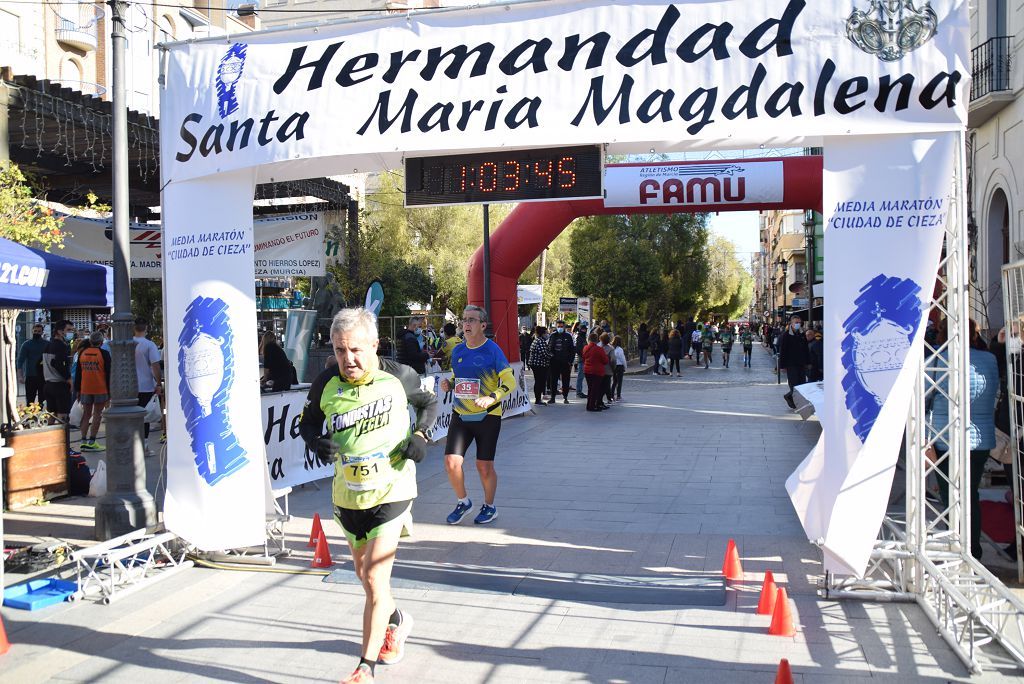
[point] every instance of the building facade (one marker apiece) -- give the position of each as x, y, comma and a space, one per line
995, 154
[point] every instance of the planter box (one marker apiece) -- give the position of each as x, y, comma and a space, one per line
39, 467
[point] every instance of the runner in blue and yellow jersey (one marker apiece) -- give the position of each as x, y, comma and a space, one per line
482, 378
364, 412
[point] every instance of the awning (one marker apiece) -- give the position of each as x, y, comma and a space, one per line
30, 278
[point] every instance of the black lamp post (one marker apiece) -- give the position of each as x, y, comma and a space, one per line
809, 226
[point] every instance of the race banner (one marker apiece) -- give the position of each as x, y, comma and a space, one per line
640, 75
643, 185
885, 198
215, 460
289, 462
286, 246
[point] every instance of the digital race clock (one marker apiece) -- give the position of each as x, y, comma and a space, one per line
508, 176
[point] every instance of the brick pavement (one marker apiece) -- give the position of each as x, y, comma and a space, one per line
657, 484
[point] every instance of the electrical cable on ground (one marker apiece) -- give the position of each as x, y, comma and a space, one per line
256, 568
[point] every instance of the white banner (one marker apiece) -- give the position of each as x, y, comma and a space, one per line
288, 245
530, 294
886, 202
289, 461
648, 74
641, 185
215, 460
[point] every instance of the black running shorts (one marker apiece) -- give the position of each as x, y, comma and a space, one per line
58, 397
484, 432
362, 526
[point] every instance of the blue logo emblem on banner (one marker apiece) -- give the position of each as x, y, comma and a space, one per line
229, 73
878, 336
206, 369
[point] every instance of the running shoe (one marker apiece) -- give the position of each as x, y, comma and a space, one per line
394, 641
486, 515
361, 675
461, 509
87, 446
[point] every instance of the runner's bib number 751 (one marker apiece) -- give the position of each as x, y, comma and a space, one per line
367, 472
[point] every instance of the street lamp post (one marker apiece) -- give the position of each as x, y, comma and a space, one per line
127, 505
809, 226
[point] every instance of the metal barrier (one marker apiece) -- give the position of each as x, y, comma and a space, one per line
990, 67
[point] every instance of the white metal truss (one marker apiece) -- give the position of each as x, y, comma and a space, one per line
1013, 308
121, 566
925, 556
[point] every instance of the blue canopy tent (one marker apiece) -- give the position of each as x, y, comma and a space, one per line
33, 279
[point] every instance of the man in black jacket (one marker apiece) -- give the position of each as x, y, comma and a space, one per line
793, 356
57, 370
410, 350
563, 351
815, 356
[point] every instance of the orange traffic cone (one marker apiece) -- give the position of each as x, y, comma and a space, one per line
315, 531
782, 617
783, 676
322, 555
731, 567
5, 645
766, 604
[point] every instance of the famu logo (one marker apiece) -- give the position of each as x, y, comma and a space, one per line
891, 28
700, 184
236, 135
364, 419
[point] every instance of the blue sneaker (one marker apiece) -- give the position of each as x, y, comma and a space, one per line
487, 514
461, 509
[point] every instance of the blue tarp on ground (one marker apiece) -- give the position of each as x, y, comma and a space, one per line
33, 279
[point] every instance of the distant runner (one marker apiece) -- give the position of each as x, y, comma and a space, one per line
726, 337
368, 436
707, 341
482, 378
747, 340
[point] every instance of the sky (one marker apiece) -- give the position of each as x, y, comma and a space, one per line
742, 228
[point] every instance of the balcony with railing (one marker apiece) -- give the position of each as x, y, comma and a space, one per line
79, 27
991, 85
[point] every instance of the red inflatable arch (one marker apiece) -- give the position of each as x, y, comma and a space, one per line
531, 227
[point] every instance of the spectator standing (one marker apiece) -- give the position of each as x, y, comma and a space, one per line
687, 335
594, 361
540, 362
654, 344
77, 348
675, 352
57, 370
695, 338
277, 369
609, 371
793, 357
30, 365
581, 342
981, 436
525, 342
563, 351
92, 384
411, 350
147, 371
619, 369
816, 360
643, 338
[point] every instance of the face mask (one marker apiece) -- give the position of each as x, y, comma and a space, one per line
560, 329
796, 326
37, 336
419, 333
69, 336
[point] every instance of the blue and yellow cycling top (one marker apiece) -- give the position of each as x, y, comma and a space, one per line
479, 372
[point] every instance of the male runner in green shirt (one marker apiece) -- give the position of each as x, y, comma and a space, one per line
725, 335
365, 412
747, 340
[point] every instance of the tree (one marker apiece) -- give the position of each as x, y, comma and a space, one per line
25, 221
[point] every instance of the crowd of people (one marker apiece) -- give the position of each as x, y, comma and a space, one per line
668, 347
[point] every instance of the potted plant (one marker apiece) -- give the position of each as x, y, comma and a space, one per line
38, 469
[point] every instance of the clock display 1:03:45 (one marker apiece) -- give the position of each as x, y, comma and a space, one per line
510, 175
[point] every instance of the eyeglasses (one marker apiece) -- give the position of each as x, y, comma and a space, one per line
470, 320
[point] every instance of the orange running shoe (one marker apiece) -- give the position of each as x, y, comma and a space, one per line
361, 675
394, 641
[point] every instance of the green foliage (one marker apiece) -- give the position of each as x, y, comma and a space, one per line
22, 219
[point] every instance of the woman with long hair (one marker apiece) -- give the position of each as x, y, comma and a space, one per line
277, 369
675, 352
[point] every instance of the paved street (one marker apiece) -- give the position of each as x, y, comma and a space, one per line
655, 485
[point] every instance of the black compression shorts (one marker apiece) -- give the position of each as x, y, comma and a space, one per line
484, 432
361, 526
